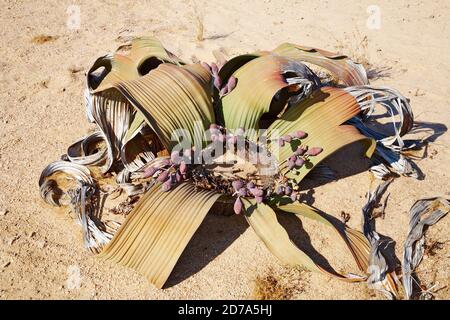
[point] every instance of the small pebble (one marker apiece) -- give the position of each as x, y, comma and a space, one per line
40, 244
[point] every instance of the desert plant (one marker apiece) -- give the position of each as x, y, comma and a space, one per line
250, 130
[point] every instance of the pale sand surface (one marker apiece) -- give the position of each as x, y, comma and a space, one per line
43, 112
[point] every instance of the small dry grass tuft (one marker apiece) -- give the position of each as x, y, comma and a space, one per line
284, 285
41, 39
356, 46
198, 17
200, 29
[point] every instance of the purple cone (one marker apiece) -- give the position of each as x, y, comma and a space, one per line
214, 69
279, 190
250, 185
287, 191
287, 138
163, 176
149, 172
314, 151
300, 151
237, 184
242, 192
294, 196
206, 66
166, 186
257, 192
291, 164
231, 84
183, 167
299, 162
217, 82
237, 206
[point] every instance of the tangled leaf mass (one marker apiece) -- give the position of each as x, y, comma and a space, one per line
263, 121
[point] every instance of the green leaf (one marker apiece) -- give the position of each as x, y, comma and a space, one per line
261, 88
320, 116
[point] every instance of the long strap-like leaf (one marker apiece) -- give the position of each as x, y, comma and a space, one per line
259, 90
119, 67
320, 116
156, 232
173, 98
355, 240
263, 220
344, 69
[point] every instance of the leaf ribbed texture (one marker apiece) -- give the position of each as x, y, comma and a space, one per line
320, 116
158, 229
264, 222
170, 98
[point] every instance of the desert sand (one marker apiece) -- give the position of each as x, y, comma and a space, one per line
42, 112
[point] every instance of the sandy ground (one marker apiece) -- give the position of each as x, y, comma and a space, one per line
42, 112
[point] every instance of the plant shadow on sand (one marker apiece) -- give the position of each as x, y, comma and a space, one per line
219, 231
216, 233
344, 163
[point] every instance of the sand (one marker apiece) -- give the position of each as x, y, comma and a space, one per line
43, 112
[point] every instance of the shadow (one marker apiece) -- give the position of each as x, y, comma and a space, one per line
375, 73
298, 235
216, 233
345, 162
279, 102
432, 132
387, 249
308, 197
